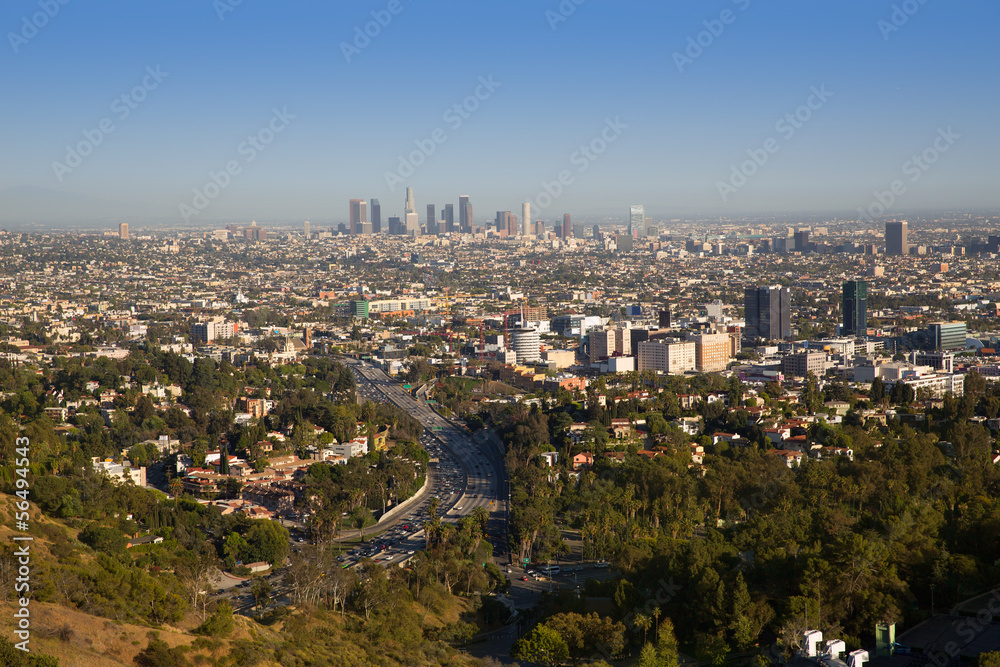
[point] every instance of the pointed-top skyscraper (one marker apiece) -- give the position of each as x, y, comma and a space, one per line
411, 221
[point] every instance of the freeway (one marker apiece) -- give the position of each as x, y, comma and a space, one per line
471, 469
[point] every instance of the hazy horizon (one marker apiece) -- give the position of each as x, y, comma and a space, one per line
821, 108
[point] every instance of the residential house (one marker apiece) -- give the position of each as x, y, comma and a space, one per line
791, 459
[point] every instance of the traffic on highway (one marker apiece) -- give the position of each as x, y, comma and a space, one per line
466, 471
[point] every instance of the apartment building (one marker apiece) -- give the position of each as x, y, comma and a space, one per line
662, 355
712, 351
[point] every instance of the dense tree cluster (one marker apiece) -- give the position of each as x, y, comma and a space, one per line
758, 549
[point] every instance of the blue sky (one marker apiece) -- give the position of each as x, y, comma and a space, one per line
680, 130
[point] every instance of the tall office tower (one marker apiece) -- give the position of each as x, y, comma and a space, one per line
464, 225
802, 240
597, 231
511, 223
664, 319
359, 214
767, 311
449, 217
539, 228
123, 231
602, 344
526, 228
895, 238
431, 220
610, 342
948, 335
469, 220
579, 231
305, 229
501, 221
855, 308
411, 206
395, 227
567, 228
376, 210
412, 223
637, 219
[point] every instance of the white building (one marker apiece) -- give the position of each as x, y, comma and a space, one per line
119, 472
216, 329
916, 377
620, 364
667, 357
527, 345
356, 447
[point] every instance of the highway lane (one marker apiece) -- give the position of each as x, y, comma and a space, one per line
481, 480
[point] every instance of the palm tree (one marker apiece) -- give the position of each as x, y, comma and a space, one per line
643, 622
656, 622
481, 516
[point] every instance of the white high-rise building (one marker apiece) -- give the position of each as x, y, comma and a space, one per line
637, 219
412, 224
527, 345
526, 219
667, 357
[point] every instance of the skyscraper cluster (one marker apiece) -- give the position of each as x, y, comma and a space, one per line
409, 223
366, 218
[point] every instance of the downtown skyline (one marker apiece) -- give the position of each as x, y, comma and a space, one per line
732, 109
